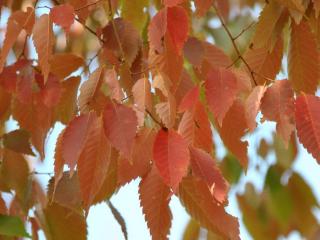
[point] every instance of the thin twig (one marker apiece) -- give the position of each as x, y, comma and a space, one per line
90, 30
41, 173
244, 30
234, 43
116, 32
154, 119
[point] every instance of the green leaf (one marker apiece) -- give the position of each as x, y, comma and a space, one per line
12, 226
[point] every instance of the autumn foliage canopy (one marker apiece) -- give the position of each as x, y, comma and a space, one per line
142, 87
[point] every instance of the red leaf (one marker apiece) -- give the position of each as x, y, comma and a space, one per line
221, 84
177, 26
154, 199
63, 15
277, 105
172, 20
171, 156
94, 161
111, 79
51, 92
171, 3
308, 123
252, 105
204, 167
58, 161
120, 125
202, 6
189, 100
167, 111
233, 128
74, 138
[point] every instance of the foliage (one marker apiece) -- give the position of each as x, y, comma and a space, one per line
142, 90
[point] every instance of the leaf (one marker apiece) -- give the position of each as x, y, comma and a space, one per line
198, 201
204, 167
202, 6
111, 79
154, 199
120, 126
75, 137
67, 105
128, 37
195, 128
12, 226
63, 15
264, 63
142, 98
189, 100
63, 223
220, 84
177, 26
277, 105
119, 219
233, 128
89, 91
93, 162
50, 93
58, 161
267, 23
192, 230
17, 21
316, 6
43, 39
172, 21
67, 191
303, 59
308, 124
18, 141
139, 163
172, 3
35, 118
133, 11
71, 63
167, 111
194, 51
171, 156
252, 106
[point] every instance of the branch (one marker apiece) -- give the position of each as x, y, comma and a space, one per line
234, 43
244, 30
116, 32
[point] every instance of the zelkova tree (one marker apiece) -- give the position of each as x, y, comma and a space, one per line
142, 87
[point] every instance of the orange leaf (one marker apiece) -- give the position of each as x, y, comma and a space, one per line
195, 128
89, 91
63, 64
17, 21
43, 39
220, 84
58, 160
202, 6
93, 161
204, 167
63, 15
233, 128
120, 125
308, 123
278, 105
252, 106
111, 79
142, 98
303, 59
171, 156
139, 163
198, 201
167, 111
154, 199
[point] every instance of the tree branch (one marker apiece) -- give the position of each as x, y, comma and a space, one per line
234, 43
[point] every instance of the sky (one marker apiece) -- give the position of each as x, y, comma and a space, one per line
101, 223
